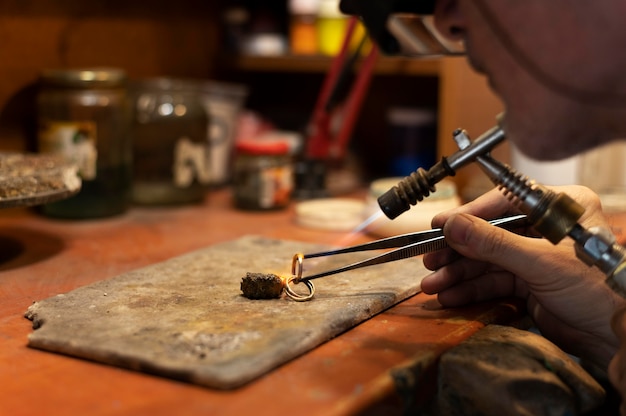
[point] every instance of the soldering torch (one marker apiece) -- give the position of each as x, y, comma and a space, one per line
554, 215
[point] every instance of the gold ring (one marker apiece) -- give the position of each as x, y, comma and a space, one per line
296, 267
296, 277
296, 296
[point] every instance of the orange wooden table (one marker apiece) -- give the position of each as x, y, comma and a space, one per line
385, 364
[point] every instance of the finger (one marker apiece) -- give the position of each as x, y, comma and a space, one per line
437, 259
488, 286
453, 273
479, 281
475, 238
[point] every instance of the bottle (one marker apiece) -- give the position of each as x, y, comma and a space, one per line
170, 143
303, 27
331, 27
84, 115
263, 174
413, 139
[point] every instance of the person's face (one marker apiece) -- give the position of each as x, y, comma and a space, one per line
559, 67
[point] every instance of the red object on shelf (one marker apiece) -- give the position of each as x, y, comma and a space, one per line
322, 142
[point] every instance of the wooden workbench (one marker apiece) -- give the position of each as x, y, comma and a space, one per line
385, 364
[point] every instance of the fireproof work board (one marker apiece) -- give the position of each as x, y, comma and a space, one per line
186, 318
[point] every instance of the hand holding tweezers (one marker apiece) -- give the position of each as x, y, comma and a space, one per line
410, 245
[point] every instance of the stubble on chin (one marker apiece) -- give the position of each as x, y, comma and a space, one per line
545, 139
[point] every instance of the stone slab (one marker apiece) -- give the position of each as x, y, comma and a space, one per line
186, 318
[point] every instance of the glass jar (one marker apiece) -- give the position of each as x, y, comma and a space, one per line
263, 175
302, 26
170, 143
84, 115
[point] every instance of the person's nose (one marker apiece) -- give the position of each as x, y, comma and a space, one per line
449, 20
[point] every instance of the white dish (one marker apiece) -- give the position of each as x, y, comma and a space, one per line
335, 214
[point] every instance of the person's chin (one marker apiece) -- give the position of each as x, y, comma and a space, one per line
529, 141
543, 151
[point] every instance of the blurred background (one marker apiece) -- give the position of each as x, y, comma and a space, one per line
241, 42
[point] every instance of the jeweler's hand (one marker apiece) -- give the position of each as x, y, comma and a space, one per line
568, 300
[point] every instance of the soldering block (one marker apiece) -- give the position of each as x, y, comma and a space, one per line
184, 318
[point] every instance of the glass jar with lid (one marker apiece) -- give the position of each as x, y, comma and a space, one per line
263, 174
171, 147
84, 115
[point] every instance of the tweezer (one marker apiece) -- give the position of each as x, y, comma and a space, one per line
411, 245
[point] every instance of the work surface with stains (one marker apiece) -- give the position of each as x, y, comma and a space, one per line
186, 318
384, 365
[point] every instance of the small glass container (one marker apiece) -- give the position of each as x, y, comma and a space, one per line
84, 115
302, 27
170, 143
263, 175
413, 139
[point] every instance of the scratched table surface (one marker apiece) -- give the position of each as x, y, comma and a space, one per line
382, 365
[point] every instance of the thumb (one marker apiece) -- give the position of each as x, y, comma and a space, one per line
475, 238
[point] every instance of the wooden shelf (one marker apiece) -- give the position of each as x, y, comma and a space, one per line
316, 64
463, 96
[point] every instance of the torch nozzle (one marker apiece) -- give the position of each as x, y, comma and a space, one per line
421, 183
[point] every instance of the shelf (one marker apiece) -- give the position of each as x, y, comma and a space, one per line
316, 64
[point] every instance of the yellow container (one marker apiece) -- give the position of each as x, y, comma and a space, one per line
331, 27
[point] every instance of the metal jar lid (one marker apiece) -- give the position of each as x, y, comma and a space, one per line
84, 77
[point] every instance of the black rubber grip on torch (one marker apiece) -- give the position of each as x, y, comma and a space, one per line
419, 185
